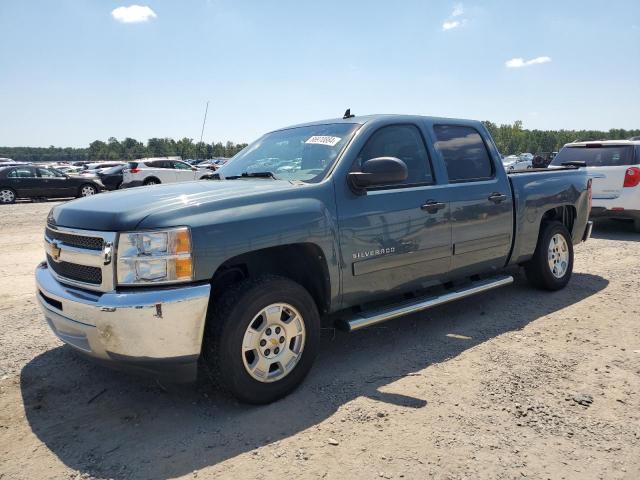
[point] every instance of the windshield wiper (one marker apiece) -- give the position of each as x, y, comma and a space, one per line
253, 175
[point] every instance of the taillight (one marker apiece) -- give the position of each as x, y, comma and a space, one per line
632, 177
590, 191
133, 170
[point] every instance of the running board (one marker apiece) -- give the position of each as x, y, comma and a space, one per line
366, 319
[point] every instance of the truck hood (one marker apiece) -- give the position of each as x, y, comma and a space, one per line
124, 209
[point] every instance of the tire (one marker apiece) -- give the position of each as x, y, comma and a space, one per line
151, 181
636, 225
551, 266
87, 190
238, 335
7, 196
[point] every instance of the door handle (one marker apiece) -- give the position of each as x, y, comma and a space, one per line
497, 197
431, 206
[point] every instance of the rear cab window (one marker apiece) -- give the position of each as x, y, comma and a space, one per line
598, 155
464, 153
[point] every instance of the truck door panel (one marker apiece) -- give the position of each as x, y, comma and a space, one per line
389, 241
482, 204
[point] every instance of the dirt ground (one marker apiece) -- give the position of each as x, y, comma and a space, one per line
513, 384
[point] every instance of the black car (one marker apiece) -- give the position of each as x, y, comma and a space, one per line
28, 181
111, 178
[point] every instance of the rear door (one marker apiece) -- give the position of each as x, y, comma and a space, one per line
163, 169
24, 181
481, 199
606, 165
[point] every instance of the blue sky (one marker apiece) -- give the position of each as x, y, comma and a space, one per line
71, 71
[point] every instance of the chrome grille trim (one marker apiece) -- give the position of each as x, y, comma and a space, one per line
66, 249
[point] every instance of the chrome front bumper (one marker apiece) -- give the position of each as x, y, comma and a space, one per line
149, 330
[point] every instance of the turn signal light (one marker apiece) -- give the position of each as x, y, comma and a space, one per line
632, 177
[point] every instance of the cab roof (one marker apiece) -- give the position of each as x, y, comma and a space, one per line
383, 118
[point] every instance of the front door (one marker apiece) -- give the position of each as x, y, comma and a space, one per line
482, 204
396, 238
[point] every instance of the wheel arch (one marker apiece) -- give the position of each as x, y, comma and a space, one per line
304, 263
151, 177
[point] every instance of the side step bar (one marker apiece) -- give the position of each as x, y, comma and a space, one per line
366, 319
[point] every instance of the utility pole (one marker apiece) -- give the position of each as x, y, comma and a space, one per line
202, 131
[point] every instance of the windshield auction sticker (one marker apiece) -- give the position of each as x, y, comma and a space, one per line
324, 140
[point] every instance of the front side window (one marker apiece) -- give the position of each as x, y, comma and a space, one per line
49, 173
464, 153
405, 143
181, 166
296, 154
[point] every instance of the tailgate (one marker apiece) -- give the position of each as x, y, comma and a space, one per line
607, 181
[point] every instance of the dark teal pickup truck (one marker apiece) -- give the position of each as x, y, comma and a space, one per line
353, 221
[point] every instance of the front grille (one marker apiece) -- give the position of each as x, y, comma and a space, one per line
73, 271
79, 241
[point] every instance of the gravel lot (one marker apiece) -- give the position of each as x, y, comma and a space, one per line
511, 384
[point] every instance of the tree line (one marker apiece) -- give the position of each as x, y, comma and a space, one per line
510, 139
127, 149
513, 138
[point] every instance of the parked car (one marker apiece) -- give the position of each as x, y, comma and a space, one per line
112, 177
239, 273
614, 166
94, 168
516, 162
28, 181
153, 171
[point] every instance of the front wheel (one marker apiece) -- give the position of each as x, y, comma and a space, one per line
261, 338
87, 191
551, 266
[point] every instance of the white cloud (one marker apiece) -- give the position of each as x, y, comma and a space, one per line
521, 62
450, 25
133, 14
455, 20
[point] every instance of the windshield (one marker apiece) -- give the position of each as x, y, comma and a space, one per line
598, 156
302, 153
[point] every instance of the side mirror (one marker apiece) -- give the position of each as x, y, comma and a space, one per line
379, 171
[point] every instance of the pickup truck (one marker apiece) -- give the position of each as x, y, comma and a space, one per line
352, 221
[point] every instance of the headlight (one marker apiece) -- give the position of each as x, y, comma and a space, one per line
158, 256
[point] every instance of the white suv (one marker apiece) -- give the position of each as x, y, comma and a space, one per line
614, 167
152, 171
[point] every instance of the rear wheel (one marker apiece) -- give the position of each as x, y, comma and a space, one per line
7, 195
87, 190
261, 339
636, 225
151, 181
551, 266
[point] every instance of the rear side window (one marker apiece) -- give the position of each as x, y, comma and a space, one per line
598, 156
21, 173
465, 154
403, 142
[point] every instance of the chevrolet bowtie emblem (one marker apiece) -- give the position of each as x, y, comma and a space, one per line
55, 250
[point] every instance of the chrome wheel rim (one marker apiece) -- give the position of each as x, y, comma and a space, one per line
273, 342
87, 191
7, 196
558, 256
152, 182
